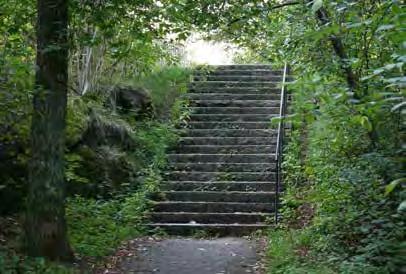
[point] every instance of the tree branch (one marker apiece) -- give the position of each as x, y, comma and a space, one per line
288, 3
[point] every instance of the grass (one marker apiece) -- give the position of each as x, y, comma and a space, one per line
289, 252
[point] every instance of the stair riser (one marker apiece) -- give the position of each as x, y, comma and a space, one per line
195, 186
208, 218
228, 141
273, 92
223, 150
229, 133
228, 125
247, 67
215, 158
254, 72
234, 110
238, 78
224, 167
233, 118
231, 96
231, 84
239, 197
234, 103
220, 176
214, 207
226, 149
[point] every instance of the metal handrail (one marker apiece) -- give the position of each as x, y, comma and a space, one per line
279, 140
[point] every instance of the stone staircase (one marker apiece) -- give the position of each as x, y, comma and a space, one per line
222, 174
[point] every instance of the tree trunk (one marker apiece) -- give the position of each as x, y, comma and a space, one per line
46, 232
352, 81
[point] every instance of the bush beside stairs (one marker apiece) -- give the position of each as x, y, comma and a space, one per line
221, 177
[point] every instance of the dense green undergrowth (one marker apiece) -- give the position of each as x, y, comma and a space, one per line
344, 198
343, 206
113, 164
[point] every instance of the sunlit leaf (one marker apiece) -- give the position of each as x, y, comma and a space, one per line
390, 187
398, 106
402, 207
366, 123
385, 27
317, 4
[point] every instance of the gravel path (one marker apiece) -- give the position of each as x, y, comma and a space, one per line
187, 256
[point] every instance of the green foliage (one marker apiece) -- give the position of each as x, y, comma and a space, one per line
16, 83
21, 264
97, 227
335, 166
289, 252
165, 86
346, 150
109, 179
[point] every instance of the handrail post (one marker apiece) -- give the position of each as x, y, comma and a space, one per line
279, 141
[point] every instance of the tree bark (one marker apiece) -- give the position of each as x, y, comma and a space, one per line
45, 227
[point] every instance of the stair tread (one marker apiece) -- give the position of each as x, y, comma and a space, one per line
212, 213
209, 202
222, 172
216, 137
213, 94
236, 82
222, 192
221, 154
237, 146
220, 182
232, 130
237, 101
210, 225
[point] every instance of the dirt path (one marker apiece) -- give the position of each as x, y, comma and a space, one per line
187, 256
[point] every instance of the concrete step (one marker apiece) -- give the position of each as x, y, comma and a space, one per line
238, 78
209, 218
233, 117
230, 132
221, 84
235, 90
218, 186
170, 206
234, 110
224, 167
230, 125
210, 229
232, 96
241, 72
214, 158
224, 141
220, 196
200, 176
235, 103
242, 67
214, 149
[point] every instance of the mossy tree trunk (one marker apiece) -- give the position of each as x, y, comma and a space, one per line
46, 233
